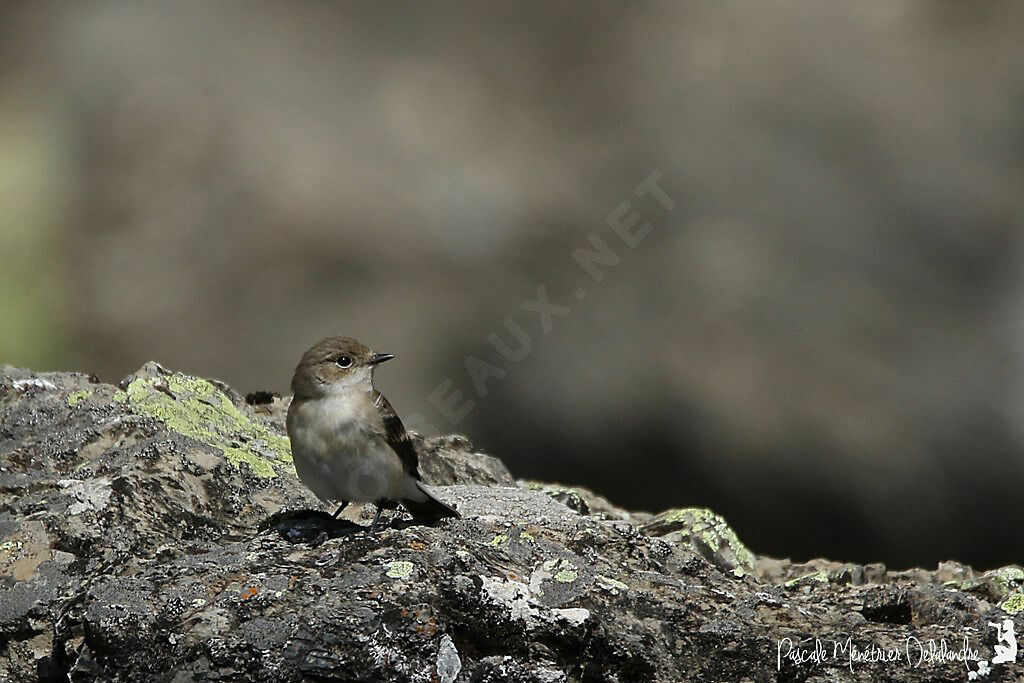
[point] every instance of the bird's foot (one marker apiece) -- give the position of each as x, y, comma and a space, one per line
376, 526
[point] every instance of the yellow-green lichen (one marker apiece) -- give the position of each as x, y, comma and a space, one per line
818, 577
998, 582
566, 570
708, 528
400, 569
76, 397
1013, 604
1004, 579
1012, 573
498, 541
567, 576
677, 515
526, 537
195, 408
613, 586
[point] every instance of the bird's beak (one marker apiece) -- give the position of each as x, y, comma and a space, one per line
379, 358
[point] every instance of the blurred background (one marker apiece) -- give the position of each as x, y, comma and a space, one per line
823, 339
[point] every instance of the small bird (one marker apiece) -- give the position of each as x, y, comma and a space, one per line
347, 442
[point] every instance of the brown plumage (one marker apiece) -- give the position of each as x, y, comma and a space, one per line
348, 443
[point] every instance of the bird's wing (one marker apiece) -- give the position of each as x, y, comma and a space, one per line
397, 437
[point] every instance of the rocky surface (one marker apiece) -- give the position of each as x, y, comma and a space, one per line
156, 531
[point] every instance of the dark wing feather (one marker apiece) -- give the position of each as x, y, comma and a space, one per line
396, 435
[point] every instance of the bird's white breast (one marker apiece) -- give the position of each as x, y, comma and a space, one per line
341, 416
340, 453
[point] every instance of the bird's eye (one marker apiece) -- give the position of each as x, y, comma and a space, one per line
344, 361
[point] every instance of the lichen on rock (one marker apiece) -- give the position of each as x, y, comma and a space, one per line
1014, 604
197, 409
709, 534
157, 532
76, 397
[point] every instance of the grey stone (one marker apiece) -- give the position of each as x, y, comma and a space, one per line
146, 534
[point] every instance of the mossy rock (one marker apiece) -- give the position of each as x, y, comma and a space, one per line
198, 409
708, 533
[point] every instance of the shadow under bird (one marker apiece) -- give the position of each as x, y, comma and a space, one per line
348, 444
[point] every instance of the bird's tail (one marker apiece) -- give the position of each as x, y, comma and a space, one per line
430, 509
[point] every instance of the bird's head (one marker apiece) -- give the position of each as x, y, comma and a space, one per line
335, 365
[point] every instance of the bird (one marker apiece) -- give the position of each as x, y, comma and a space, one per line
348, 443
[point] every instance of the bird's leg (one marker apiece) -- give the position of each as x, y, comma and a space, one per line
376, 518
344, 504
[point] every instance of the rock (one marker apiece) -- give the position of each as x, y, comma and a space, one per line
156, 531
453, 460
707, 533
584, 501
